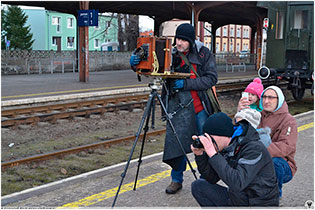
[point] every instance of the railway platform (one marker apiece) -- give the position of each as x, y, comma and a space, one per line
67, 85
97, 189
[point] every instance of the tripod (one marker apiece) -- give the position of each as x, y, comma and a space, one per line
146, 118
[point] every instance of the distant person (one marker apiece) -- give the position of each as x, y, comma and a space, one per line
234, 155
254, 89
284, 135
186, 99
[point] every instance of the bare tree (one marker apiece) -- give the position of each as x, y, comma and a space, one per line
121, 34
132, 32
128, 31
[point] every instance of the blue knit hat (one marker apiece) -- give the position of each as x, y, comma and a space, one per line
279, 93
219, 124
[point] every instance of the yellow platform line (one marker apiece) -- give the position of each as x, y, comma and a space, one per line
73, 91
306, 126
90, 200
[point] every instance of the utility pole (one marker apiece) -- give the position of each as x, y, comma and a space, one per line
84, 47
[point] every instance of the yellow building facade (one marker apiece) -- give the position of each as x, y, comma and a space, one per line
229, 38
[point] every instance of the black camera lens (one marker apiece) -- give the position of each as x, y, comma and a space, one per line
197, 143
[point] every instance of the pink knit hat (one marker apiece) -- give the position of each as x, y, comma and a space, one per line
256, 87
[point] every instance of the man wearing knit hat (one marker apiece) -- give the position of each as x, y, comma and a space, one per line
188, 56
283, 126
235, 155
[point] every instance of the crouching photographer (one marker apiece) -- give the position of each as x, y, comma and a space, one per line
234, 155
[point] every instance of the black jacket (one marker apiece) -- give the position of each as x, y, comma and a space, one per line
206, 69
246, 167
184, 119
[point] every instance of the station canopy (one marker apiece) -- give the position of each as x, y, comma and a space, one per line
218, 13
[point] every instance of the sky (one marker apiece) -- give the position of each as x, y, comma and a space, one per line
146, 23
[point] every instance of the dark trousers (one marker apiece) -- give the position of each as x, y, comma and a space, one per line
208, 194
177, 175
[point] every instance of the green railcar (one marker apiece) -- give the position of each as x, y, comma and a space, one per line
290, 45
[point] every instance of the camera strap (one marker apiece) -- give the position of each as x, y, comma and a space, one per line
211, 91
188, 63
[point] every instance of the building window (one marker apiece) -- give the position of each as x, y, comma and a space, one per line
218, 32
232, 31
245, 46
54, 41
107, 24
279, 25
237, 47
224, 31
70, 41
300, 19
56, 21
246, 33
217, 47
96, 43
231, 47
238, 32
70, 22
224, 47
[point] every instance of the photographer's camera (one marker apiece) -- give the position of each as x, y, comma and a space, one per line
197, 143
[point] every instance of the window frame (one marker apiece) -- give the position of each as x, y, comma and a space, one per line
96, 43
69, 42
72, 21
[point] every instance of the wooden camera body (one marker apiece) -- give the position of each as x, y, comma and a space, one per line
155, 55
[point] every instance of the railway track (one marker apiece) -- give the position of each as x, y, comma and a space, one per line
13, 117
60, 153
110, 106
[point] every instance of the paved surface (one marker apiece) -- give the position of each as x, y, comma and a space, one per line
15, 87
98, 188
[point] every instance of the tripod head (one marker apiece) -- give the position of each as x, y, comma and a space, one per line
156, 83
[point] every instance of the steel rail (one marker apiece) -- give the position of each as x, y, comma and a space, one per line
63, 152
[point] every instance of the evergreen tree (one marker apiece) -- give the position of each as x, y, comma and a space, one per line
13, 26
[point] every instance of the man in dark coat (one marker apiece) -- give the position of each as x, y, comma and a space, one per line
186, 99
235, 155
190, 94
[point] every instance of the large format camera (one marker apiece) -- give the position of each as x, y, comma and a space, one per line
155, 58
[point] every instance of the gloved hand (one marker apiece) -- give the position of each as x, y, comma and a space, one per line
179, 84
134, 60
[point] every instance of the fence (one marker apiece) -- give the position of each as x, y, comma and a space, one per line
39, 62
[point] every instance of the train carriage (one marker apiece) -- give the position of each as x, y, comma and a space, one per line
290, 40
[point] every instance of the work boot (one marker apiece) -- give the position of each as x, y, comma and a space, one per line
173, 188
